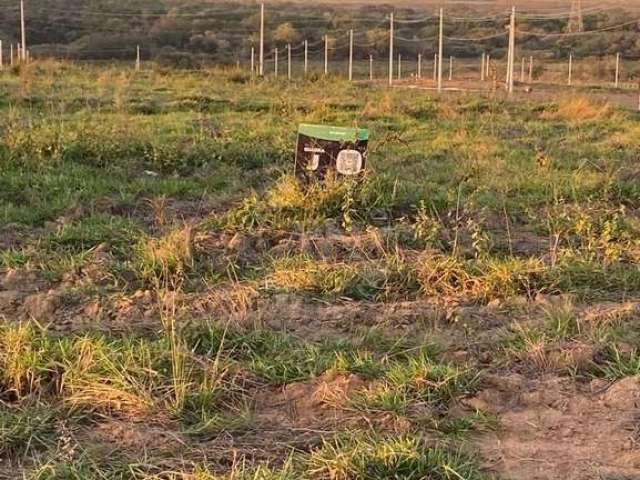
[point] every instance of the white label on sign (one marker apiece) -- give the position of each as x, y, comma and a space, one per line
314, 163
349, 162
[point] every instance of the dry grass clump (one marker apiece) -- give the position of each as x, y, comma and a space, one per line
561, 341
379, 108
19, 357
170, 254
389, 278
95, 374
286, 193
394, 276
234, 300
447, 111
629, 138
579, 109
304, 274
479, 280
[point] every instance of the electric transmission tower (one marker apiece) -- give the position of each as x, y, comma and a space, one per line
575, 19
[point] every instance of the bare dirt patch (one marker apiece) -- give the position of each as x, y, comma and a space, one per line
555, 428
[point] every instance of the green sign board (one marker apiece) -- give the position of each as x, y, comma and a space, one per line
323, 149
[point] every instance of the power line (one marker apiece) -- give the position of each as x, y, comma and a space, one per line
472, 39
576, 34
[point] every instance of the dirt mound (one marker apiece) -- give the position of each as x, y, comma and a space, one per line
555, 428
136, 437
320, 403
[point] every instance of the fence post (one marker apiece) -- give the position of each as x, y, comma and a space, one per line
326, 55
261, 66
512, 49
370, 67
306, 57
440, 49
435, 67
253, 60
391, 35
350, 55
276, 62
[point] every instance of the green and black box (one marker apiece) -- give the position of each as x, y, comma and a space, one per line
324, 149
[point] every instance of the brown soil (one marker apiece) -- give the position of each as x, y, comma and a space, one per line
555, 428
550, 426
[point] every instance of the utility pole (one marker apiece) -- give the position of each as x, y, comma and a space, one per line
450, 68
570, 69
137, 58
419, 66
326, 55
24, 32
350, 55
617, 83
306, 57
482, 67
440, 49
289, 61
370, 67
391, 35
512, 49
261, 39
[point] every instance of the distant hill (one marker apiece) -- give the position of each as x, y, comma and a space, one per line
191, 32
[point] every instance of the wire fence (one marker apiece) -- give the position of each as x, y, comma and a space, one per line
475, 49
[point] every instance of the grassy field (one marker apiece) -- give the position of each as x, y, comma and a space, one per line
174, 306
